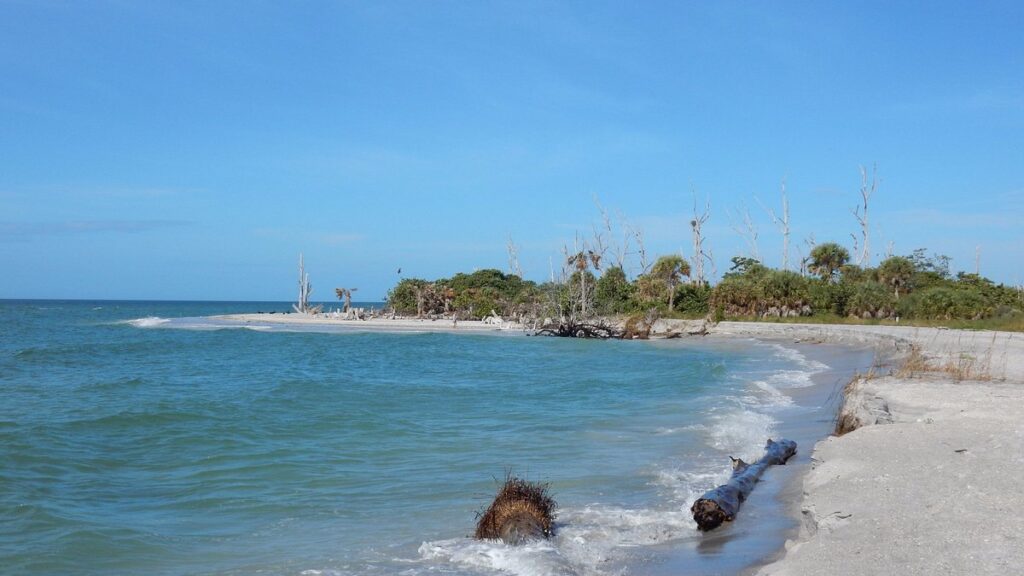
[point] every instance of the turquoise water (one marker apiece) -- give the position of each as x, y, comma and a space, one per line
134, 442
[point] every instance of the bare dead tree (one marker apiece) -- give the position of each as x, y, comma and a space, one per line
810, 242
577, 264
710, 256
421, 297
305, 290
597, 246
575, 311
746, 229
513, 258
860, 212
564, 273
622, 249
782, 223
696, 224
890, 249
977, 260
641, 251
618, 249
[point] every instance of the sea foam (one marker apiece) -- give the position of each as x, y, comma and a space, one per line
147, 322
593, 539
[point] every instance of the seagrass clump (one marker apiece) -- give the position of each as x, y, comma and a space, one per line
521, 511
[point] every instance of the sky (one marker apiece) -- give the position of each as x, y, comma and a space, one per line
192, 150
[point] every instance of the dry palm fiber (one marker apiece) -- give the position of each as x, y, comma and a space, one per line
520, 511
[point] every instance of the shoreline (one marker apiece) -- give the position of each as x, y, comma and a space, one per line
381, 324
771, 514
920, 486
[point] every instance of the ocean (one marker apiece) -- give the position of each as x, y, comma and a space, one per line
142, 438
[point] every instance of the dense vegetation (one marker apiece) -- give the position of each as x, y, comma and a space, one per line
915, 287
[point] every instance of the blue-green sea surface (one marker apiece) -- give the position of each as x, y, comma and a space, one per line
132, 442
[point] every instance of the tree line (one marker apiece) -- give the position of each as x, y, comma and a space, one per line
594, 282
915, 286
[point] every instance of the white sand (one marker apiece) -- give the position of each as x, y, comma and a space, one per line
937, 489
1000, 354
370, 324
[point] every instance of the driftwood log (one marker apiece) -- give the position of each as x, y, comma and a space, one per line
722, 503
521, 511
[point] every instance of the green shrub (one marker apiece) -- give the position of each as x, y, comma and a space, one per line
853, 274
827, 297
649, 292
613, 292
692, 299
477, 303
403, 296
784, 288
871, 300
944, 303
736, 295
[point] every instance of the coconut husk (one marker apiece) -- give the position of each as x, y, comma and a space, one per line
521, 511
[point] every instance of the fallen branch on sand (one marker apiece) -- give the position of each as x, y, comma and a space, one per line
722, 503
520, 511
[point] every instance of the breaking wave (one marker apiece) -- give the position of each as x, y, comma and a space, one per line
147, 322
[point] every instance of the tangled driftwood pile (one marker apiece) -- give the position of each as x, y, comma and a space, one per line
573, 329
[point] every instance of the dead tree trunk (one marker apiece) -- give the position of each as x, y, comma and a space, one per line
866, 191
698, 240
722, 503
783, 225
305, 290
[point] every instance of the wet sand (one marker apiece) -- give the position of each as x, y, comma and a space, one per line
771, 514
927, 484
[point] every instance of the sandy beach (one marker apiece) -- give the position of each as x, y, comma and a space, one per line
923, 485
927, 484
380, 324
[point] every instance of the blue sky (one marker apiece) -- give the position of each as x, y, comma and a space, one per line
186, 150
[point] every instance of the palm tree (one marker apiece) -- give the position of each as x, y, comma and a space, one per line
670, 270
346, 294
896, 271
583, 260
827, 259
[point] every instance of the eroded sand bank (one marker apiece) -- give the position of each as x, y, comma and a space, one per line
930, 483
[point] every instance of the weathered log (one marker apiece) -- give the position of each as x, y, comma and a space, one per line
521, 511
722, 504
